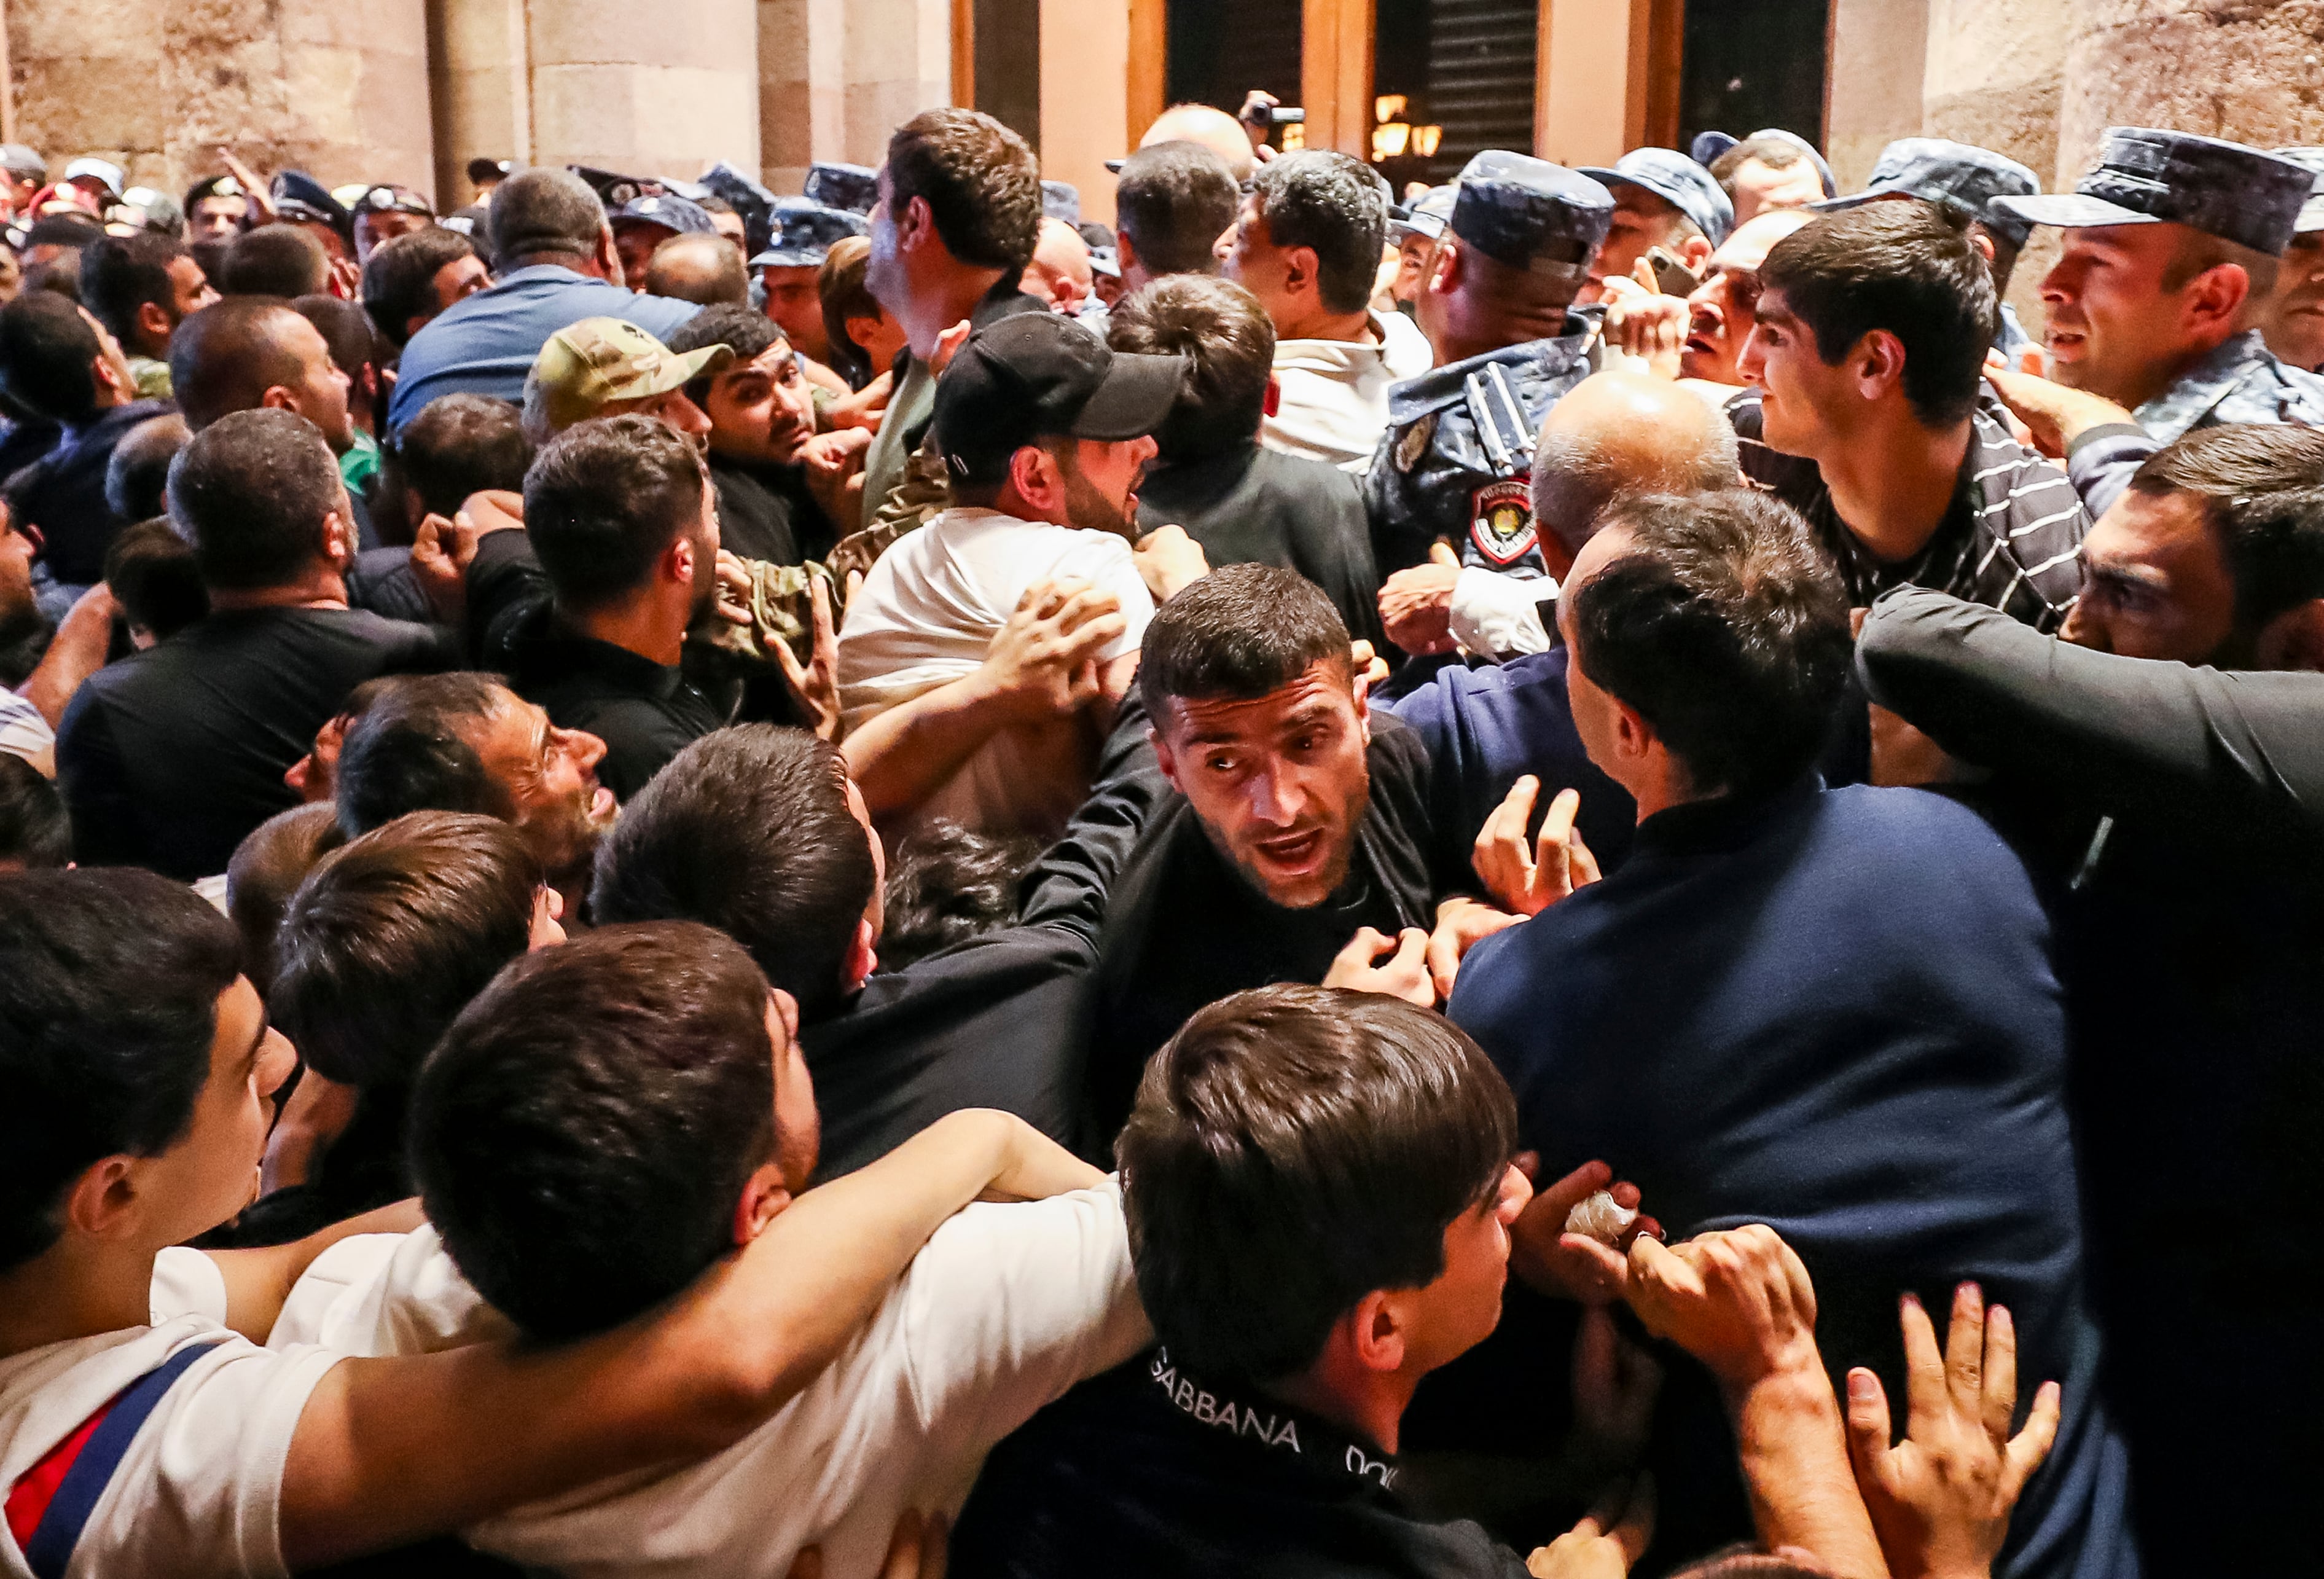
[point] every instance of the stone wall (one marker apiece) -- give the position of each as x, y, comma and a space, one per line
339, 90
2244, 70
1879, 50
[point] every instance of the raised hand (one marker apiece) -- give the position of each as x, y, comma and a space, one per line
1045, 657
1170, 560
815, 684
1611, 1535
1738, 1300
1525, 877
1940, 1499
1405, 975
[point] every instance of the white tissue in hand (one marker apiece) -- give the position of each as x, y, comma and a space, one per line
1601, 1218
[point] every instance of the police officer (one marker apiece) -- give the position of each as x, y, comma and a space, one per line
1455, 464
786, 272
852, 187
2294, 328
2188, 230
1966, 178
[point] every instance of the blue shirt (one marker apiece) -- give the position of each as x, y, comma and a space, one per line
1834, 1013
486, 344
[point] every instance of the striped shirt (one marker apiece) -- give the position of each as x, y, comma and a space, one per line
2011, 540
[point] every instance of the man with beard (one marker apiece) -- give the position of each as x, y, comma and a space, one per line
620, 512
2294, 327
466, 742
761, 411
1046, 434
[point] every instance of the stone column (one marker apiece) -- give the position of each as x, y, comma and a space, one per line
2250, 71
802, 86
663, 90
340, 91
481, 86
896, 63
1879, 55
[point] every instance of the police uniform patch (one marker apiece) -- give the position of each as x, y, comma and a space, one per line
1415, 442
1500, 520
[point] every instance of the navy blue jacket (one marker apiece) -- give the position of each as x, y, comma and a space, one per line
1835, 1012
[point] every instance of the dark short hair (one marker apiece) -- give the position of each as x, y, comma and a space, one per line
459, 445
121, 273
34, 831
265, 869
583, 1132
227, 357
412, 751
1174, 201
108, 1008
1726, 628
747, 830
250, 493
1907, 266
543, 211
1294, 1148
603, 501
275, 260
1331, 201
1229, 344
399, 281
980, 179
153, 574
2262, 486
137, 474
346, 329
706, 269
747, 333
947, 884
1240, 631
391, 934
47, 349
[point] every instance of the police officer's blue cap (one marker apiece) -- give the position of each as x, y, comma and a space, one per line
1061, 201
1677, 180
746, 197
1960, 176
804, 232
1708, 146
852, 187
296, 195
1425, 216
668, 210
2312, 212
2150, 177
1530, 213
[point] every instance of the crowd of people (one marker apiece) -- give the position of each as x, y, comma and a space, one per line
702, 882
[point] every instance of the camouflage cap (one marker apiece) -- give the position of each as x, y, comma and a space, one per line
1960, 176
387, 197
852, 187
666, 210
1061, 201
804, 232
587, 367
1677, 180
1530, 213
2312, 212
2149, 177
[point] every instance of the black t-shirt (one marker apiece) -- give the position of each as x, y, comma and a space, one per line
63, 493
169, 758
1149, 1471
765, 513
1249, 505
1186, 929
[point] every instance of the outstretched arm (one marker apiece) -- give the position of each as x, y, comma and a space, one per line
388, 1450
1740, 1302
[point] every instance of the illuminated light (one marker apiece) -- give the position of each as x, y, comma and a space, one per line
1387, 106
1295, 135
1424, 140
1388, 142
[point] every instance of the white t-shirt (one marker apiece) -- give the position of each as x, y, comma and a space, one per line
1331, 395
928, 614
24, 731
199, 1491
1005, 1308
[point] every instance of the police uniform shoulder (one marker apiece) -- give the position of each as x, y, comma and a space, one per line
1441, 387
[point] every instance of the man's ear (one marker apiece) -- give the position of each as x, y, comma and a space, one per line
1364, 714
278, 398
764, 1194
609, 256
1878, 362
104, 1200
862, 958
2295, 639
1634, 737
1445, 265
1302, 269
1983, 242
677, 561
1695, 252
2217, 295
340, 542
1035, 475
1376, 1333
153, 321
1124, 253
1165, 759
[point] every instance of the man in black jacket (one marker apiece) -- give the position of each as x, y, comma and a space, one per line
2192, 803
1243, 503
760, 833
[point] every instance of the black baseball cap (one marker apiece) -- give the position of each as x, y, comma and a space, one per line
1033, 374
